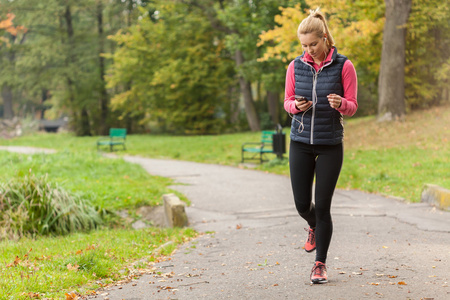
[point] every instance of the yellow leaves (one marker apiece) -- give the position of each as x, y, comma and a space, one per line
7, 25
283, 36
71, 296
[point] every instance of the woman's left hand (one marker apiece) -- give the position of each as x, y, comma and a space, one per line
334, 100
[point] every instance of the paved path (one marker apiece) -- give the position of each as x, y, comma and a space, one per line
381, 248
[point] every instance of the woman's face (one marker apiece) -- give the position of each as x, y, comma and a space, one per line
314, 46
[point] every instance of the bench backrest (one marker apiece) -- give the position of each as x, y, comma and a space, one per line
266, 136
117, 133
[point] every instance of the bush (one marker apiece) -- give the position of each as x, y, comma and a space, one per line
33, 206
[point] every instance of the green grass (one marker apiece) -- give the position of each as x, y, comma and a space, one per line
49, 267
108, 183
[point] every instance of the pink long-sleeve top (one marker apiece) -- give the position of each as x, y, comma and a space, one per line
349, 83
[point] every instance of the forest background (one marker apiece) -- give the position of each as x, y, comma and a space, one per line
198, 67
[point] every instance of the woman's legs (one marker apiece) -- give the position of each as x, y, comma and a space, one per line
325, 162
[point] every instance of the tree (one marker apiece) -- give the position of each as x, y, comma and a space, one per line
356, 27
391, 83
11, 36
427, 55
170, 71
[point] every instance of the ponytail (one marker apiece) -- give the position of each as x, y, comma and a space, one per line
317, 24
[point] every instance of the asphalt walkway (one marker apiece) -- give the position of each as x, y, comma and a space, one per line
381, 248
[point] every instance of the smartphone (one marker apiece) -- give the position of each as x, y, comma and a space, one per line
300, 98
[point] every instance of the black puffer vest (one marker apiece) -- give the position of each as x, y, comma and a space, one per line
320, 124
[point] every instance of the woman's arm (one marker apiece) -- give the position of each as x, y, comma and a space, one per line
289, 91
350, 84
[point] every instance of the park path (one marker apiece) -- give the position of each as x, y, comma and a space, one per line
381, 248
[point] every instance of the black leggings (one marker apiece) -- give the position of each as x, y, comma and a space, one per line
325, 162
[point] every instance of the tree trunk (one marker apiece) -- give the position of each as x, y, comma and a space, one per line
104, 103
7, 96
246, 91
273, 106
81, 124
391, 83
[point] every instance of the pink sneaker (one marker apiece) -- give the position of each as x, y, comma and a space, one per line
310, 244
319, 273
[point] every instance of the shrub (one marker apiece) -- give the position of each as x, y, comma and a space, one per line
33, 206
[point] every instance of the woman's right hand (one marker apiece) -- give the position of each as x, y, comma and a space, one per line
303, 105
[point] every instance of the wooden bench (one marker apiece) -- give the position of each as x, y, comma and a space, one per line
116, 137
258, 150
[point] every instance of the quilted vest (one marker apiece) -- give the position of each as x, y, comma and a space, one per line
320, 124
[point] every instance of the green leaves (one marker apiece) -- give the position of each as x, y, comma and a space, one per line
174, 69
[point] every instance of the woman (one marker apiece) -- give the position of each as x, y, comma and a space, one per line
321, 86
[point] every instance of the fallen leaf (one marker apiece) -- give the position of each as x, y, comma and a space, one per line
238, 226
401, 283
72, 268
375, 283
71, 296
385, 247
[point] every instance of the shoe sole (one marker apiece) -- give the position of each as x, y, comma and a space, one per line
319, 281
310, 250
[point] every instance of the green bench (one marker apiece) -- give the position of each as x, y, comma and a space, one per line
257, 151
116, 137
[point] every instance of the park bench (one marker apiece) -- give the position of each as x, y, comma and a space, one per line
116, 137
257, 150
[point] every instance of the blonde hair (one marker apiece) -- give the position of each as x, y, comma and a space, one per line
317, 24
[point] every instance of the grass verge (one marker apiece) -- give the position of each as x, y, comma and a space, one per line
49, 267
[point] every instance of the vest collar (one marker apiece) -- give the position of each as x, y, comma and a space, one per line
331, 56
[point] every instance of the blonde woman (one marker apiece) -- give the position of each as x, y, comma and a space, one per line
321, 87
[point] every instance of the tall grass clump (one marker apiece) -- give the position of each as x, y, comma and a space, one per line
32, 205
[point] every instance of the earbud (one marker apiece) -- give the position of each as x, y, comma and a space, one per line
324, 39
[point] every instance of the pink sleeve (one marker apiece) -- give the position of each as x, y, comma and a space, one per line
350, 84
289, 91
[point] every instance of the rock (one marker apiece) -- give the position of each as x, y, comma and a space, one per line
139, 225
174, 211
436, 195
153, 214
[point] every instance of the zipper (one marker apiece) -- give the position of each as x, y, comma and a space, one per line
314, 95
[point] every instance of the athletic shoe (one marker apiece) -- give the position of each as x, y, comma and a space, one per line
310, 244
319, 273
